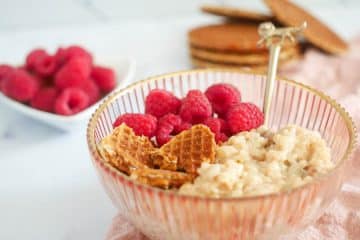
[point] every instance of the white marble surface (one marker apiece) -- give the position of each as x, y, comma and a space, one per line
48, 187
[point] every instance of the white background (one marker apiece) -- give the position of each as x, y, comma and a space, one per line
48, 187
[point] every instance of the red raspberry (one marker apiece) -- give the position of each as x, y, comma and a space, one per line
170, 119
73, 74
216, 125
166, 125
244, 117
22, 67
45, 66
42, 82
224, 127
182, 127
92, 90
60, 57
195, 108
63, 55
222, 96
5, 72
104, 78
163, 134
71, 101
20, 86
44, 99
33, 56
161, 102
142, 124
221, 137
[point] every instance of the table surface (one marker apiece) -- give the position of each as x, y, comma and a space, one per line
48, 187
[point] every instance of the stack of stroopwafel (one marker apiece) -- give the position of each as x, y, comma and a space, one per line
233, 44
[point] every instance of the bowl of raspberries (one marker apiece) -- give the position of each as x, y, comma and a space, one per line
63, 88
149, 138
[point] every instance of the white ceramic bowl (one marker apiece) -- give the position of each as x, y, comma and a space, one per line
124, 69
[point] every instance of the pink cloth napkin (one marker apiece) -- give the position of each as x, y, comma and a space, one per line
339, 77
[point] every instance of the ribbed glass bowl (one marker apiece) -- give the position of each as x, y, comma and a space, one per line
166, 215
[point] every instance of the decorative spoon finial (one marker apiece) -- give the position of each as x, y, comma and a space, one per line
272, 35
274, 38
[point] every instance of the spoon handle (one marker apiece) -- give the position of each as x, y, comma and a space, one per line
274, 38
271, 78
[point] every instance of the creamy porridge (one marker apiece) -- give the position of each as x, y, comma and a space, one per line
261, 162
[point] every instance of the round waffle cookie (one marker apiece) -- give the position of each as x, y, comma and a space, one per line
245, 58
235, 13
240, 37
201, 63
317, 32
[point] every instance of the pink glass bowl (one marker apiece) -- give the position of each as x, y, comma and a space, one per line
166, 215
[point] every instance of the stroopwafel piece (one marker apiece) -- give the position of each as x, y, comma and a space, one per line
316, 32
262, 68
191, 148
229, 37
161, 178
126, 151
243, 59
235, 13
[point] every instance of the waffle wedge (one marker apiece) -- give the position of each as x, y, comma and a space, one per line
126, 151
317, 32
160, 178
190, 148
236, 13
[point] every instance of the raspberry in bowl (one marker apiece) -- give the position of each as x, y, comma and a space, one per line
63, 88
160, 211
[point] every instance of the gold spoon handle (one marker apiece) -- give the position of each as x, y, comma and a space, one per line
274, 38
271, 78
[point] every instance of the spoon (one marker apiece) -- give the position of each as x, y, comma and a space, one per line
274, 39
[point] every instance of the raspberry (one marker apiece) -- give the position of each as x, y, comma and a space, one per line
60, 56
222, 96
182, 127
244, 117
73, 74
170, 119
142, 124
195, 108
163, 134
22, 67
161, 102
104, 78
5, 72
71, 101
221, 137
20, 86
216, 125
166, 125
92, 90
44, 99
33, 56
45, 66
43, 82
63, 55
224, 127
